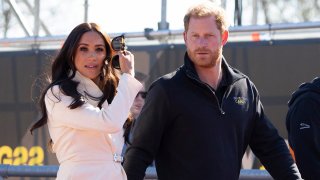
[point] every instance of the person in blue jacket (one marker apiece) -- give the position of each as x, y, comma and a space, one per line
198, 121
303, 125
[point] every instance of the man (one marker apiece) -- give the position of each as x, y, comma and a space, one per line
198, 121
303, 125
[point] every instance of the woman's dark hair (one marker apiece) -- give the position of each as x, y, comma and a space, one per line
63, 71
127, 126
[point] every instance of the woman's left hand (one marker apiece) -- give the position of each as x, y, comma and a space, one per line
126, 60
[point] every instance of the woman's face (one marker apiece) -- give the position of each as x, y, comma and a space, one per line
90, 55
138, 103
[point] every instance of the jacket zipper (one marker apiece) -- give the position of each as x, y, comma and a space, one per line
219, 105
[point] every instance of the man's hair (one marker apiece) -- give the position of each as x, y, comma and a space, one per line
206, 9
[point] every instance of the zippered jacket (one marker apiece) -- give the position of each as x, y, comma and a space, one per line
193, 136
303, 125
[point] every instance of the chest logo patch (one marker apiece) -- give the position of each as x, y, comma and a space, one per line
304, 126
240, 100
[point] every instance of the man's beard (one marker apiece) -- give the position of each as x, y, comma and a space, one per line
214, 57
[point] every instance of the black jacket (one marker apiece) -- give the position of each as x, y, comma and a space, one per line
193, 136
303, 125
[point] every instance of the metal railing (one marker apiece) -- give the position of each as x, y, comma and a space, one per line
149, 36
51, 171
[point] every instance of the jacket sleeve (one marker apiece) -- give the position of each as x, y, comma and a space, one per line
109, 118
147, 133
270, 147
304, 135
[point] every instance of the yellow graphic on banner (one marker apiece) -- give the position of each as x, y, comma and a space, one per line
21, 155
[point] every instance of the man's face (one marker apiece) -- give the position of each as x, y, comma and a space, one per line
204, 41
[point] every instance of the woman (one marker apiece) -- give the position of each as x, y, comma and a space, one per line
86, 105
135, 110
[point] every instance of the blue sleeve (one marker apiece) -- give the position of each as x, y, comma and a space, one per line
304, 135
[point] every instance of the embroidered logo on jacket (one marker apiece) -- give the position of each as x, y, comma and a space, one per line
304, 126
240, 100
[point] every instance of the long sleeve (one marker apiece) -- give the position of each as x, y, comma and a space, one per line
109, 118
304, 135
271, 148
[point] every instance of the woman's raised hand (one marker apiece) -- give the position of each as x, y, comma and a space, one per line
126, 60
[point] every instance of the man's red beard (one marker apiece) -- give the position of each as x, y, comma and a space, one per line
213, 56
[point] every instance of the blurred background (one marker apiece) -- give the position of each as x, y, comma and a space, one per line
50, 18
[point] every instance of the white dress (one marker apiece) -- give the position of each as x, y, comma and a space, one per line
87, 139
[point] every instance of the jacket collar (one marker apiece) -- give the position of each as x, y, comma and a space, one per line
231, 74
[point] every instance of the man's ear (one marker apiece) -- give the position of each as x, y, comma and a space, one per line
185, 36
225, 36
